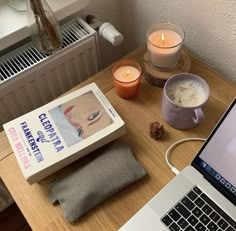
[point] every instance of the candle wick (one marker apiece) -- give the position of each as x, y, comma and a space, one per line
127, 72
162, 38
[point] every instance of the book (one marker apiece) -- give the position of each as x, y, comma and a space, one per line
62, 131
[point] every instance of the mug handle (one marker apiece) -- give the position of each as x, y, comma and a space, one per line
198, 115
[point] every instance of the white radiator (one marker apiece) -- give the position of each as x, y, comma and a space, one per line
29, 78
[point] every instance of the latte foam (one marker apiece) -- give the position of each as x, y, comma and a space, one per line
186, 92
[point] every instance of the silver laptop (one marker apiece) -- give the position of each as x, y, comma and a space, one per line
203, 195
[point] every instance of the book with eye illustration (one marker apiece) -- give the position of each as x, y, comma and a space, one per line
62, 131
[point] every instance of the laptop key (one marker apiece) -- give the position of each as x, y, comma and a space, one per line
182, 210
197, 212
188, 203
222, 223
206, 209
197, 190
174, 215
192, 195
199, 202
214, 216
192, 220
174, 227
204, 219
167, 220
212, 226
182, 223
200, 227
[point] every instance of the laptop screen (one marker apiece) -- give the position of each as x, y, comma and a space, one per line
216, 160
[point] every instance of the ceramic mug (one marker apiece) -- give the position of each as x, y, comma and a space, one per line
184, 95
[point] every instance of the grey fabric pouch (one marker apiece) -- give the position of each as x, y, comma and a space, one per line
112, 170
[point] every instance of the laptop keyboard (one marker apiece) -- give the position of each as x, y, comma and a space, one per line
197, 212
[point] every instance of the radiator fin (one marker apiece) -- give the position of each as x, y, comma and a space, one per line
27, 56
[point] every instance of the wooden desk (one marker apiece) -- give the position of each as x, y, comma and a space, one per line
137, 113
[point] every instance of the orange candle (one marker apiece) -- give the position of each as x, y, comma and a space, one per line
126, 78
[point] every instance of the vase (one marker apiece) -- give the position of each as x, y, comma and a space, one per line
44, 27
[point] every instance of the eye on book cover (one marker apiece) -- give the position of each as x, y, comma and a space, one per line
56, 134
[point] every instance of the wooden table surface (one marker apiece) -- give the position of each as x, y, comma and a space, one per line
137, 114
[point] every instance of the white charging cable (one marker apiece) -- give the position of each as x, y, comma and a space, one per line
172, 167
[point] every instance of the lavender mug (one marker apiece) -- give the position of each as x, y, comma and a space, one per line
184, 95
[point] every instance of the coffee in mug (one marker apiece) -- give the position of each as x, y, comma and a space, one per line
186, 92
184, 95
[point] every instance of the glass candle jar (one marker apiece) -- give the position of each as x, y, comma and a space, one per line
126, 78
164, 42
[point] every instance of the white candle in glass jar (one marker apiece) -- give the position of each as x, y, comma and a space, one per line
164, 46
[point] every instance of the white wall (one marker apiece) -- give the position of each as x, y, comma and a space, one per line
210, 27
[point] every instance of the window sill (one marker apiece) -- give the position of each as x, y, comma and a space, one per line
13, 24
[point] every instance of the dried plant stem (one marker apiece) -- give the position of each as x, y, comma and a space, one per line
45, 27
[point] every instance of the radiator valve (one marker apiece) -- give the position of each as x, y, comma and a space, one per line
106, 30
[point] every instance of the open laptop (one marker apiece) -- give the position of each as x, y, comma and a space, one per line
203, 195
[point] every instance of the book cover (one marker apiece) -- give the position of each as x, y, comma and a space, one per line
62, 131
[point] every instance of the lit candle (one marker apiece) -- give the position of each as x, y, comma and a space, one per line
127, 74
164, 46
126, 78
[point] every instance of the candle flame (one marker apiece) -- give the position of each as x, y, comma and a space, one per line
162, 37
127, 72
